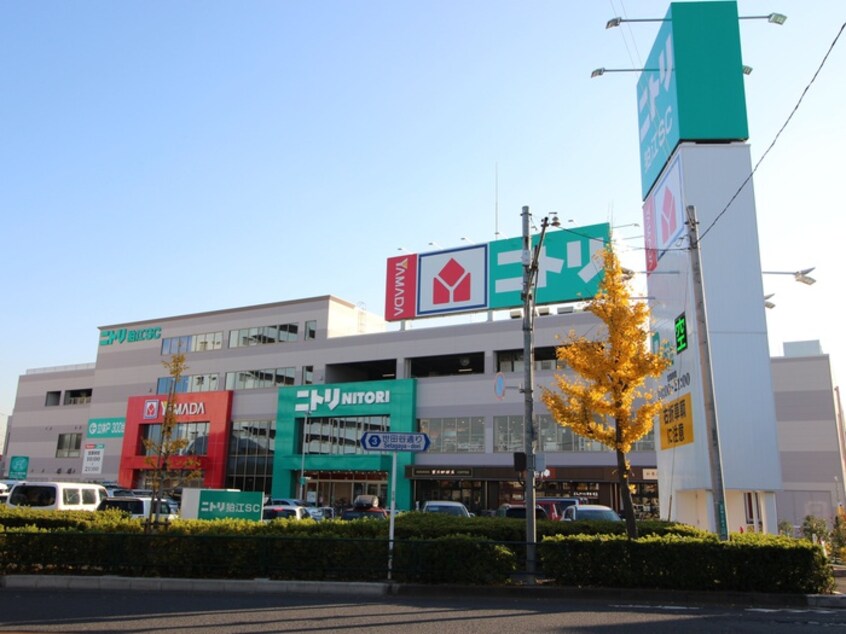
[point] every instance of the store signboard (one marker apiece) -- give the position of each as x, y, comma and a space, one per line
677, 422
92, 458
106, 427
663, 217
691, 88
218, 504
18, 467
490, 276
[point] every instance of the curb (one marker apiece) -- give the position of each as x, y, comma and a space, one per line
387, 588
160, 584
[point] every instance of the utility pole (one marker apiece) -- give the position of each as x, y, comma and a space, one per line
718, 496
530, 259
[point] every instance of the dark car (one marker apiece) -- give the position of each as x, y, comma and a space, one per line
372, 513
554, 507
519, 511
365, 507
590, 512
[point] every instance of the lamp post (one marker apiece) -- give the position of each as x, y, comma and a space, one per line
530, 258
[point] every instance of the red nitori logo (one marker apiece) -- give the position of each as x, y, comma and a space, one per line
451, 284
669, 222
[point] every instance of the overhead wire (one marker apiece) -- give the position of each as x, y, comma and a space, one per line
776, 137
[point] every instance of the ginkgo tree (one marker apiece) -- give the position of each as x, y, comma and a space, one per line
169, 465
606, 398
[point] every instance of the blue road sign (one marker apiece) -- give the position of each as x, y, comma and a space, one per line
394, 441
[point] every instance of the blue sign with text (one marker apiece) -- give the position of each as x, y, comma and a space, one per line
394, 441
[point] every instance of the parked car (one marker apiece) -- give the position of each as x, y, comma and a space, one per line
284, 502
372, 513
590, 512
319, 513
62, 496
554, 507
284, 511
365, 507
446, 507
519, 510
139, 506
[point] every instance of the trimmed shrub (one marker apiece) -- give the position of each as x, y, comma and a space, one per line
460, 559
746, 563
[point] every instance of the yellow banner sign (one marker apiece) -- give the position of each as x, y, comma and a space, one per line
677, 423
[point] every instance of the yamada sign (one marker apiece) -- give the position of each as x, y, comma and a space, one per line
490, 276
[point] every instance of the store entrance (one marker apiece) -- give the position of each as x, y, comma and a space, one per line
472, 493
338, 490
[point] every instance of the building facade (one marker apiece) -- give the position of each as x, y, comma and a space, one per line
276, 397
810, 434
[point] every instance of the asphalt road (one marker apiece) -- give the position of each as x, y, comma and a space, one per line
73, 611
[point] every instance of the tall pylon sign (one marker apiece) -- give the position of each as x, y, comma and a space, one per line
693, 152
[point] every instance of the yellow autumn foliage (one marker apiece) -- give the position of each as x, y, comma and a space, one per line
606, 399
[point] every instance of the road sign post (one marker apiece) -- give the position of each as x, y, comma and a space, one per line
394, 442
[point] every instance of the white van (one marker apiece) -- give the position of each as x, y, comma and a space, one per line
61, 496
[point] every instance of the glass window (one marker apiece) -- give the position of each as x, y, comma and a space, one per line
53, 399
308, 374
251, 447
454, 435
338, 436
164, 384
195, 436
512, 360
310, 330
71, 496
260, 335
207, 341
78, 397
68, 445
508, 434
285, 376
175, 345
201, 383
647, 443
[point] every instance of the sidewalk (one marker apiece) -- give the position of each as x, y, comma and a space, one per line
380, 589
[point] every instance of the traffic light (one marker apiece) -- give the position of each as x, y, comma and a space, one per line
519, 461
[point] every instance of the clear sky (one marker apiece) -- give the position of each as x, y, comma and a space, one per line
163, 158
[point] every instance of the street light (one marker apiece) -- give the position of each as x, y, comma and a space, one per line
772, 18
800, 276
599, 72
530, 257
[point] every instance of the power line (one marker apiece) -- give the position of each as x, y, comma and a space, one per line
776, 137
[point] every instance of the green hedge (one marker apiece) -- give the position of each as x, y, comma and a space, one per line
746, 563
428, 548
453, 559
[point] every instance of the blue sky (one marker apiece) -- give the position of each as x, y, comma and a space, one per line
170, 158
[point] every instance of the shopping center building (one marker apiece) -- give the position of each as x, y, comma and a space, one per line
279, 395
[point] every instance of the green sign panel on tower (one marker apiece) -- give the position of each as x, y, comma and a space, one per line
692, 86
570, 266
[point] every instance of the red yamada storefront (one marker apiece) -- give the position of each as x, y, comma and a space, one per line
202, 418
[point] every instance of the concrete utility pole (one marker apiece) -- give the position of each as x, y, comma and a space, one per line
718, 496
530, 259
